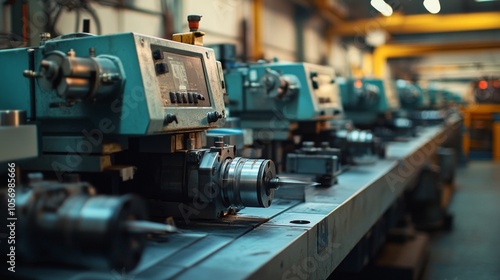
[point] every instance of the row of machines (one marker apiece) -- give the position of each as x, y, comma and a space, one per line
296, 116
425, 106
374, 104
116, 146
314, 123
126, 131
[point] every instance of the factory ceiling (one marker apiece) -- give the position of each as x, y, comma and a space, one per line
466, 28
362, 9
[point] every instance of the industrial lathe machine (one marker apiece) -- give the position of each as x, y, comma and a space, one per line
125, 113
109, 174
295, 114
416, 104
374, 104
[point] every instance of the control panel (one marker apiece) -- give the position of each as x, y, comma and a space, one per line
181, 78
324, 88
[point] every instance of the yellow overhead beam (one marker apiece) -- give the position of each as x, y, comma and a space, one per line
257, 29
384, 52
422, 23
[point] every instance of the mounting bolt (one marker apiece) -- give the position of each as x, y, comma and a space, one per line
213, 116
169, 118
44, 36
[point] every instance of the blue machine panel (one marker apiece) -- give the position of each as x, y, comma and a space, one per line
131, 84
300, 91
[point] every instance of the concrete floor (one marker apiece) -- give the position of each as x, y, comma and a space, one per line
471, 250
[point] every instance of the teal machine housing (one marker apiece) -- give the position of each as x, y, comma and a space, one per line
78, 82
435, 96
366, 100
374, 104
453, 97
128, 112
280, 102
415, 104
16, 90
411, 96
270, 96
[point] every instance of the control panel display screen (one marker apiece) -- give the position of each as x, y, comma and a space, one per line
325, 91
181, 78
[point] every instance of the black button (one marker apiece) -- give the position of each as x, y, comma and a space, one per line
314, 80
190, 97
173, 98
195, 98
184, 98
158, 54
161, 68
179, 98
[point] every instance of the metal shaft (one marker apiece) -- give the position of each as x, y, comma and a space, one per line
280, 182
149, 227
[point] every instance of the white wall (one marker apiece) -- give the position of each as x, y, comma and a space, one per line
344, 56
117, 20
222, 21
314, 36
278, 32
459, 65
461, 88
338, 57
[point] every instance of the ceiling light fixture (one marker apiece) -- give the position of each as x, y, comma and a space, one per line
433, 6
384, 8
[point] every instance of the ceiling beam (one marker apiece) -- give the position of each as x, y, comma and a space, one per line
422, 23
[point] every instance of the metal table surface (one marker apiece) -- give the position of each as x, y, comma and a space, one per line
291, 239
